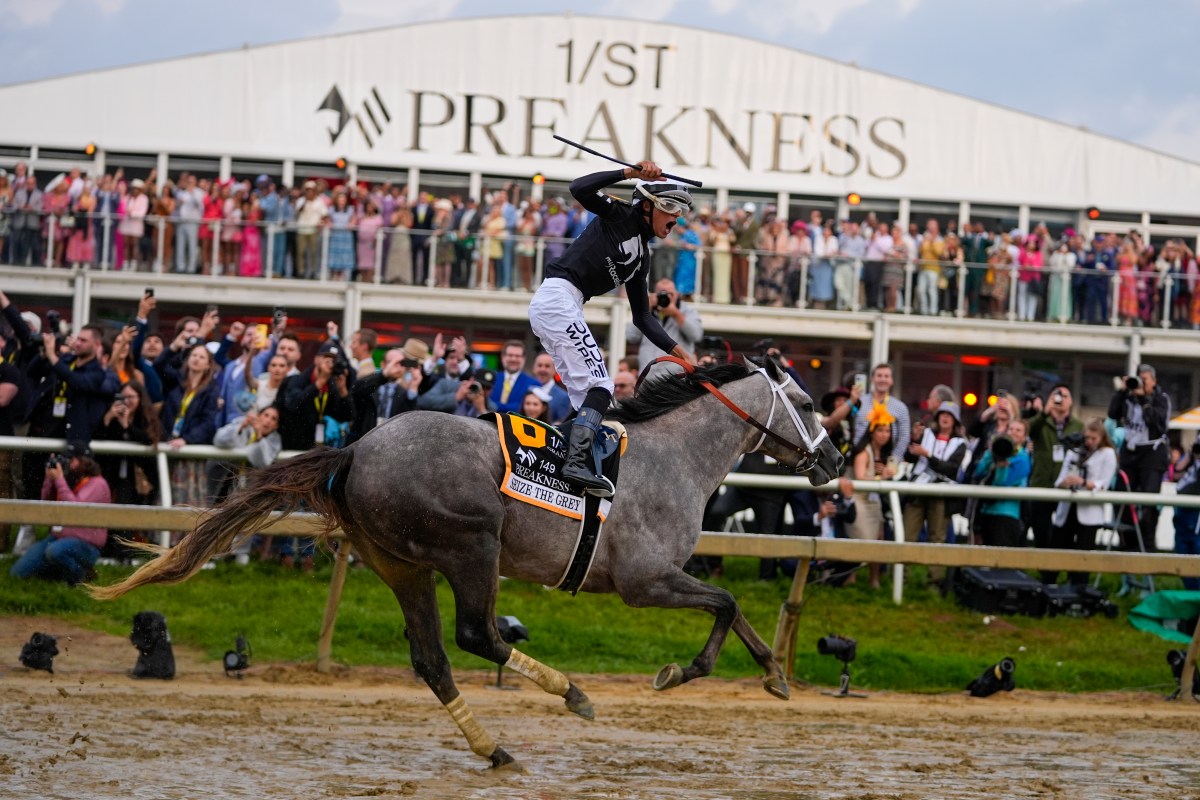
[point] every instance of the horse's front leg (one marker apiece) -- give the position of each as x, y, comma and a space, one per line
674, 588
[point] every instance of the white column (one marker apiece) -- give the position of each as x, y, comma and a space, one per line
782, 202
161, 165
352, 173
843, 209
225, 171
352, 313
722, 198
81, 300
288, 178
1145, 227
1135, 352
904, 213
1022, 221
98, 162
964, 214
475, 187
879, 341
414, 188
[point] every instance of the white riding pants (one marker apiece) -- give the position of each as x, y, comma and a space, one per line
556, 316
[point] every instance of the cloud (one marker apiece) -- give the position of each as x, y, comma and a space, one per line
1175, 128
362, 14
28, 13
654, 11
110, 6
803, 17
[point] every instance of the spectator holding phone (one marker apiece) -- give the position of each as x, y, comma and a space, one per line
1048, 431
131, 479
391, 390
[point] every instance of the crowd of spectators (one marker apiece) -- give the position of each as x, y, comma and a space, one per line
341, 231
249, 387
1039, 442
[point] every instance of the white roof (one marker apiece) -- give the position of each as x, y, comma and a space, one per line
486, 94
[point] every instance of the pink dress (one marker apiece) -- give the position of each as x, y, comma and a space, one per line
367, 228
81, 247
251, 263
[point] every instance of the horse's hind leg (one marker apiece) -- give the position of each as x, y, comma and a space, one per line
677, 589
476, 632
414, 588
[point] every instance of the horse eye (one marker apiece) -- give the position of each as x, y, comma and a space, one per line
808, 408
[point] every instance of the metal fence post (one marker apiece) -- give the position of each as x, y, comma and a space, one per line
802, 299
752, 276
897, 535
106, 241
50, 220
164, 491
269, 253
161, 224
960, 310
430, 259
1114, 290
216, 248
378, 257
323, 273
1168, 284
909, 269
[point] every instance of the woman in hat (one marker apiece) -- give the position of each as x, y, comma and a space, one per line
936, 459
133, 222
536, 404
57, 204
612, 251
872, 460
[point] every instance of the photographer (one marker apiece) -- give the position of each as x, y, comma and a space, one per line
1047, 430
305, 400
1089, 466
391, 390
68, 553
1187, 520
75, 390
1144, 410
471, 399
936, 458
680, 320
1005, 462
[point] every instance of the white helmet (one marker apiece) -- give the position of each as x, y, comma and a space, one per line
668, 197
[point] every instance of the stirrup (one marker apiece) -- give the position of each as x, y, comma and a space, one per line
597, 485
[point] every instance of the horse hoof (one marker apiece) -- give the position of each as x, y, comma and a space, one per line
668, 677
777, 686
578, 703
503, 761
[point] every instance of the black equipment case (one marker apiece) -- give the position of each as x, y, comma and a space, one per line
999, 591
1077, 601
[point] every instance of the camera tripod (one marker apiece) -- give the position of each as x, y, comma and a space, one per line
844, 685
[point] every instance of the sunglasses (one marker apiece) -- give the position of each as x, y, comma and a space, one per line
669, 206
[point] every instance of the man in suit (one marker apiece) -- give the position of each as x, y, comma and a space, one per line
390, 391
511, 385
560, 401
422, 221
466, 227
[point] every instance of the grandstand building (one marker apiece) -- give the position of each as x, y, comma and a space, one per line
463, 105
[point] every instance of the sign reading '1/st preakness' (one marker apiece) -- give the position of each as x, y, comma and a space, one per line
623, 97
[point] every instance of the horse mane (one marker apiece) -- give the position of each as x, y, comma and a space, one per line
656, 396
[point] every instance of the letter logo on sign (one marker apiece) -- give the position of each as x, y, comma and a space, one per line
378, 115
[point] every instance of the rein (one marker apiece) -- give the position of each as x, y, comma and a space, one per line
807, 450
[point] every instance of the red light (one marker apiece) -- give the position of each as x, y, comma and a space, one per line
90, 149
815, 363
340, 163
976, 361
1093, 213
539, 179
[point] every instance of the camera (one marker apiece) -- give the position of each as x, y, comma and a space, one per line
149, 291
1133, 383
118, 399
474, 387
192, 341
664, 299
1002, 448
843, 648
280, 313
340, 367
58, 460
1073, 441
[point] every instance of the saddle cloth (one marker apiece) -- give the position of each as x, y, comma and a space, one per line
534, 453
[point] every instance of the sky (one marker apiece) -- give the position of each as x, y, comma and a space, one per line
1125, 69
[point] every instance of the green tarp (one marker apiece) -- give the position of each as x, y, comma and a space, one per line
1163, 614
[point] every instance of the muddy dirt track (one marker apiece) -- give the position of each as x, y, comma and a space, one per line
88, 731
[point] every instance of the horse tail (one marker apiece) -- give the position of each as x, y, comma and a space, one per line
315, 478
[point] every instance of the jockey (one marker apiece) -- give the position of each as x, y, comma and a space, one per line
612, 250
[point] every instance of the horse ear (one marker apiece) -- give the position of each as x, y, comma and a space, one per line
772, 368
750, 365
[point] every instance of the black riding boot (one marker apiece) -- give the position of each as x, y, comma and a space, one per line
581, 469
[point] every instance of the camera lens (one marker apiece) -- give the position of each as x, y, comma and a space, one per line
664, 299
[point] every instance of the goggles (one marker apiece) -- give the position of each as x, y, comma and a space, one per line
669, 205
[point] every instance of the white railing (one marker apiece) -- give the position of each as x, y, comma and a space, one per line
961, 289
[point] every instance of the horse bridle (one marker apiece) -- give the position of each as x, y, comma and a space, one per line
809, 453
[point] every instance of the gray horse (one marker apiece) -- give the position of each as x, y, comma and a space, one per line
420, 495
